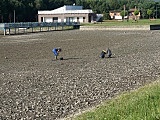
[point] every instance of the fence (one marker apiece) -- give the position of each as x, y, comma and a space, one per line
14, 28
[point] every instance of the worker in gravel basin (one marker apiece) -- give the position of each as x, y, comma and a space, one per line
102, 55
109, 53
56, 52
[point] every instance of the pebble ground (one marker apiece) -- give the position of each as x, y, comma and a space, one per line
34, 86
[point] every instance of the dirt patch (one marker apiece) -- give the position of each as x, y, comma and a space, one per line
34, 86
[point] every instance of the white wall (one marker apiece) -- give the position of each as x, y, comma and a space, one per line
75, 19
81, 19
60, 20
48, 20
118, 17
68, 19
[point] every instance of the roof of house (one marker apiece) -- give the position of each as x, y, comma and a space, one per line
66, 9
132, 10
114, 11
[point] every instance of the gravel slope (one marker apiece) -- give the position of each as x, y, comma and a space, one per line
34, 86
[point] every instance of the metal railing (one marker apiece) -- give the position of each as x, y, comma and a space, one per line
28, 25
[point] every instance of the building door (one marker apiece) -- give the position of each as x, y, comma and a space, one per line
77, 19
89, 19
41, 19
83, 19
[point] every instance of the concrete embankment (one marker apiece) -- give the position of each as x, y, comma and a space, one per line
136, 27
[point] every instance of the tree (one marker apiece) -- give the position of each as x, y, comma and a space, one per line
106, 16
114, 4
136, 12
38, 3
123, 13
26, 10
149, 12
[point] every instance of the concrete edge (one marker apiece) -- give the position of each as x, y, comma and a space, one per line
145, 27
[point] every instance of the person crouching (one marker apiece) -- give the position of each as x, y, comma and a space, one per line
56, 52
102, 55
109, 53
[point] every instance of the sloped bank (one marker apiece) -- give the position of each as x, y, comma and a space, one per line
135, 27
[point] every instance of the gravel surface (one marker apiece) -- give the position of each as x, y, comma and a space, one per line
33, 86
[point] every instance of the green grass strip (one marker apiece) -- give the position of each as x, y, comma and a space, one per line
142, 104
124, 23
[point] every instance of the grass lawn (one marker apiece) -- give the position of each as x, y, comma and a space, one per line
123, 23
142, 104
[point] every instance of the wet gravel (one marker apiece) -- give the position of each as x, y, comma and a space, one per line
33, 86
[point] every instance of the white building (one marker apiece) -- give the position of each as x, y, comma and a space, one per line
67, 14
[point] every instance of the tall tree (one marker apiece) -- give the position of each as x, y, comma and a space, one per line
149, 12
38, 4
26, 10
136, 12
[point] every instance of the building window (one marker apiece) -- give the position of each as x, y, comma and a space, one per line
55, 19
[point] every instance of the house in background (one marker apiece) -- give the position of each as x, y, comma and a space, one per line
67, 13
115, 15
131, 15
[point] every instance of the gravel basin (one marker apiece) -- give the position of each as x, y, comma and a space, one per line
34, 86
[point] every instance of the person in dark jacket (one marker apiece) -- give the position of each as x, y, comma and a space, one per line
102, 55
56, 52
109, 53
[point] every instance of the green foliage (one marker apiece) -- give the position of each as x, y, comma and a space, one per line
149, 12
26, 10
123, 13
112, 23
136, 12
106, 16
38, 3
